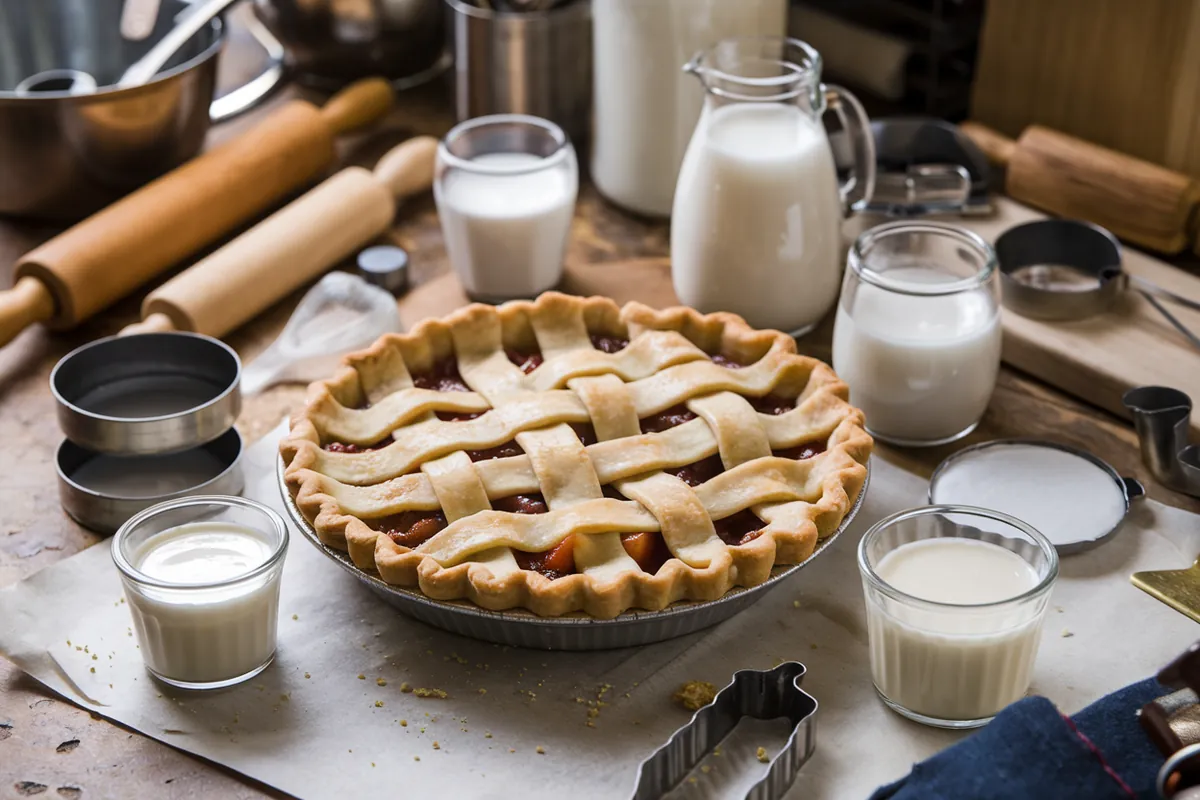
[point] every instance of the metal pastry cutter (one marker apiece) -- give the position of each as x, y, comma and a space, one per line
1161, 416
762, 694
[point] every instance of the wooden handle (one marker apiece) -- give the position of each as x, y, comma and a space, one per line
27, 302
996, 147
155, 323
407, 169
1140, 202
359, 105
277, 256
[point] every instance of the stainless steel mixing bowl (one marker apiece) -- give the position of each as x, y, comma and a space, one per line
69, 143
330, 43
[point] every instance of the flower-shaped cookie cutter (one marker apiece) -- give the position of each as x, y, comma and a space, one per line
1161, 417
762, 694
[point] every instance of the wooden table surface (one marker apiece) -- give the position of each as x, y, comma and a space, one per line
51, 748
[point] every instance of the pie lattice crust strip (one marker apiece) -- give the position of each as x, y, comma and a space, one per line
516, 434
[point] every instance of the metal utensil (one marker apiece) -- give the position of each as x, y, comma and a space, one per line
1062, 269
519, 628
70, 143
188, 25
1161, 416
752, 693
148, 393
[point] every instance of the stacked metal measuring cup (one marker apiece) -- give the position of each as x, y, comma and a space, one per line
147, 418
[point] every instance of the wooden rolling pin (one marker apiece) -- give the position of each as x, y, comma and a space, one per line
108, 255
291, 247
1140, 202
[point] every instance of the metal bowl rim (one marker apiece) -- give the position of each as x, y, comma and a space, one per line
576, 619
215, 25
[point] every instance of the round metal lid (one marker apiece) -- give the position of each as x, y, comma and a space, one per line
1073, 498
385, 266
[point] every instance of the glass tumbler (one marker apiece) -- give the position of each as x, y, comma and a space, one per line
917, 335
196, 631
505, 187
948, 664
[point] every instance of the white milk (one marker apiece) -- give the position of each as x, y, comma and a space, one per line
1064, 497
506, 231
646, 107
954, 664
205, 635
757, 222
922, 369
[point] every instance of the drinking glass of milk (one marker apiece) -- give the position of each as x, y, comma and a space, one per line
201, 577
505, 188
756, 223
955, 600
917, 335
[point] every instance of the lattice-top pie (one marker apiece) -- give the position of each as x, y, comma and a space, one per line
567, 454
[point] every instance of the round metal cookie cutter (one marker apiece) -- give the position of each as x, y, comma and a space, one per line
1064, 269
101, 491
148, 393
521, 628
1029, 484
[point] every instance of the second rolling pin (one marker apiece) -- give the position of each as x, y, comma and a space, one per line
291, 247
1140, 202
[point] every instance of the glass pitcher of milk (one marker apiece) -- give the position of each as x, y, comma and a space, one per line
756, 225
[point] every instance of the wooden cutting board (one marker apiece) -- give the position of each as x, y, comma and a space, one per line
1096, 360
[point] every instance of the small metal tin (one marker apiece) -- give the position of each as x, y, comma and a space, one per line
1129, 489
148, 393
520, 628
385, 266
1059, 269
761, 694
91, 485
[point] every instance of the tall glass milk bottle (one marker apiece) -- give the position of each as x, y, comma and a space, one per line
756, 227
645, 107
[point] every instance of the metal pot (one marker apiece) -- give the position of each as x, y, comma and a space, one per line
69, 144
331, 43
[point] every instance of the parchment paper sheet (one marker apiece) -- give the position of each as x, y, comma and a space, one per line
326, 719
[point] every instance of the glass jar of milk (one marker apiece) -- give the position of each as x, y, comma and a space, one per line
645, 106
202, 576
956, 597
505, 187
756, 227
917, 335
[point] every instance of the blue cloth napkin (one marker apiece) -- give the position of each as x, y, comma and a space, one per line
1032, 752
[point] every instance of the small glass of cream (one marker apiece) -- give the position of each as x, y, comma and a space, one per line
201, 577
955, 600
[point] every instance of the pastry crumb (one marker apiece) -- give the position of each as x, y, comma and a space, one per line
541, 751
512, 750
482, 691
403, 723
716, 751
285, 697
1066, 634
379, 704
487, 736
404, 687
297, 616
438, 694
436, 746
706, 769
761, 754
695, 695
795, 604
416, 758
362, 677
307, 676
380, 682
93, 669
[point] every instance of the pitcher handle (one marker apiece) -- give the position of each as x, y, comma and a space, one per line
856, 192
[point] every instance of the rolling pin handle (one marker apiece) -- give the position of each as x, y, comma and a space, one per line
155, 323
997, 147
27, 302
407, 169
359, 105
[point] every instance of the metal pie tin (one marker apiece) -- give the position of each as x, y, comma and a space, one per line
521, 628
101, 491
1126, 489
148, 393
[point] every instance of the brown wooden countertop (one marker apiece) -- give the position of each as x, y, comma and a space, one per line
51, 748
